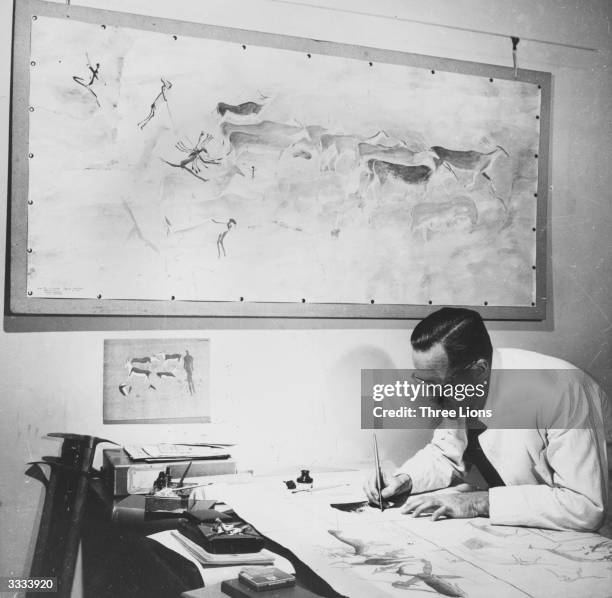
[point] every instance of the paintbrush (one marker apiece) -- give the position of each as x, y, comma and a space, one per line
379, 476
185, 473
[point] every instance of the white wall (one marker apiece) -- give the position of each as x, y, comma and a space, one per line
293, 391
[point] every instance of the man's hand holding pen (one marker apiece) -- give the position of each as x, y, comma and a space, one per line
393, 487
462, 501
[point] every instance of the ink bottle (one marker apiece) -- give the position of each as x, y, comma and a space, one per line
304, 482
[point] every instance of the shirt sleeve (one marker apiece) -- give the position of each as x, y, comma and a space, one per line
577, 458
440, 462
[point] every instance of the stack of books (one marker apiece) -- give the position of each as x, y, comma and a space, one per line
132, 470
261, 557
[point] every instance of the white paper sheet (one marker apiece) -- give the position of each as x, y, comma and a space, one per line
372, 554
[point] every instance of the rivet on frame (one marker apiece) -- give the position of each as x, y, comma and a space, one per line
303, 300
34, 17
33, 63
433, 72
535, 155
103, 26
31, 108
537, 117
539, 87
486, 303
309, 55
371, 63
241, 298
430, 302
30, 293
172, 298
30, 202
533, 304
30, 155
533, 267
243, 47
372, 301
29, 250
490, 79
175, 37
99, 295
534, 229
535, 194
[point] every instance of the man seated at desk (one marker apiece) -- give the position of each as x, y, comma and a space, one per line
549, 474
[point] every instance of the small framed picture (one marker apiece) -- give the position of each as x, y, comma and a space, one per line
156, 380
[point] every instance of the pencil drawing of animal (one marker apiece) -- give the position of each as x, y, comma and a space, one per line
138, 360
244, 109
359, 546
471, 161
436, 582
166, 357
165, 375
379, 172
333, 147
439, 217
397, 154
266, 136
139, 372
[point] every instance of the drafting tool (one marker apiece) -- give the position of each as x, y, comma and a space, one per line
379, 476
319, 488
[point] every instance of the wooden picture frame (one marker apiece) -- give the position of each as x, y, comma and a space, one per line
21, 300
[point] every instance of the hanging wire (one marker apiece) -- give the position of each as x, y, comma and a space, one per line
430, 24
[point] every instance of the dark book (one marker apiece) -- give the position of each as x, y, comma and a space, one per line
236, 589
210, 540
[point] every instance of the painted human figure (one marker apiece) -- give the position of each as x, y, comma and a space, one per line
188, 365
221, 238
94, 76
165, 86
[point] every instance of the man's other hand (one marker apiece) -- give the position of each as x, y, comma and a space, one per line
392, 486
458, 505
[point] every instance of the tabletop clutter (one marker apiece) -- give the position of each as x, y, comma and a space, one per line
209, 531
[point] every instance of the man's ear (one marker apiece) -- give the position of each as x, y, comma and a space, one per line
481, 370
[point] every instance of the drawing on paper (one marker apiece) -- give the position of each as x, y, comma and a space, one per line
350, 180
389, 554
150, 380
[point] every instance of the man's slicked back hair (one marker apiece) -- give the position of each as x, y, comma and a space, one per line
461, 332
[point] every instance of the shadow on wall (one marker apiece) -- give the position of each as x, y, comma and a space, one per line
348, 443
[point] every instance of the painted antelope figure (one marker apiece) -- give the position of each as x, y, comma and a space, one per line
165, 357
138, 361
439, 217
266, 136
471, 161
142, 374
379, 172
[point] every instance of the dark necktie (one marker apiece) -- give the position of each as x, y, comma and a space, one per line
475, 455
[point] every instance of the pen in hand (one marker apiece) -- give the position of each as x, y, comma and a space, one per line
379, 477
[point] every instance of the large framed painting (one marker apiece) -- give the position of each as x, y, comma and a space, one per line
162, 167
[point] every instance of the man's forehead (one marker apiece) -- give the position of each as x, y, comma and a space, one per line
433, 359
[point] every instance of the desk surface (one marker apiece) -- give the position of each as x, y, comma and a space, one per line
361, 553
384, 554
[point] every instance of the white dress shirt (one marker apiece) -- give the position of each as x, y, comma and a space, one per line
556, 477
